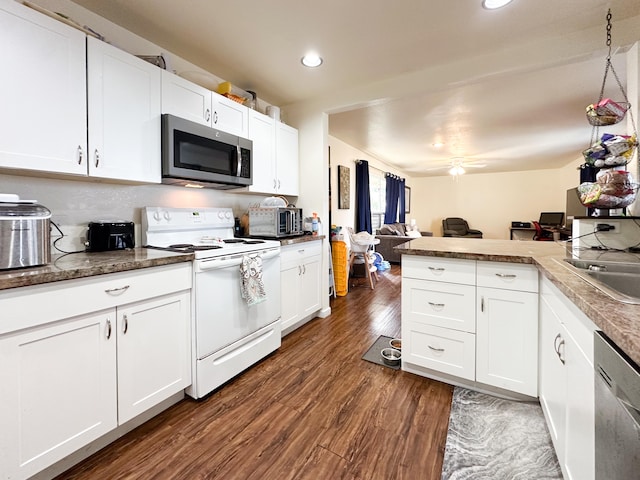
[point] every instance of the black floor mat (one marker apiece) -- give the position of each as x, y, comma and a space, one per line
373, 354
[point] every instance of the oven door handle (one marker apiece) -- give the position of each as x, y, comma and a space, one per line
233, 260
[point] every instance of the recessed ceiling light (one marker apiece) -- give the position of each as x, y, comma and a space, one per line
438, 144
312, 60
493, 4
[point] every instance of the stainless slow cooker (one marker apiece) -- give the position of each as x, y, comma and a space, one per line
24, 235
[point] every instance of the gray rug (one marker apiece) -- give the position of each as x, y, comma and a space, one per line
373, 354
495, 439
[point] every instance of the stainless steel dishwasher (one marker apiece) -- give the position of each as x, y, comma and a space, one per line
617, 412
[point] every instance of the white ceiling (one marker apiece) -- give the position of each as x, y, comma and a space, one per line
504, 88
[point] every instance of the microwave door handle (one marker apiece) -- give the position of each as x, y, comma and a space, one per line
238, 161
289, 222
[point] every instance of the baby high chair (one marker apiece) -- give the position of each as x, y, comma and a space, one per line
361, 243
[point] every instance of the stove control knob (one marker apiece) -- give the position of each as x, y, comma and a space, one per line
167, 216
221, 215
227, 215
156, 216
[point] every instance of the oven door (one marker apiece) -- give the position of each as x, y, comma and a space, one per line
222, 316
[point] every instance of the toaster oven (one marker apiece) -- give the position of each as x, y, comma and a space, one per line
275, 222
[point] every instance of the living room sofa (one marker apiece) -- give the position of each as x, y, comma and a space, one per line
393, 235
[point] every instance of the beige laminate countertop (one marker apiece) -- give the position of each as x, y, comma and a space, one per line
620, 321
88, 264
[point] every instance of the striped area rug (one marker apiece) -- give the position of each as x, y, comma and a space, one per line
495, 439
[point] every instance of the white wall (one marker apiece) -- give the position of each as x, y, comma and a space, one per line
491, 201
344, 154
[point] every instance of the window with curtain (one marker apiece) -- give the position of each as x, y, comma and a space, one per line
377, 190
395, 201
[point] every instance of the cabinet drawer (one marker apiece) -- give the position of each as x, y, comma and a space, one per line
508, 276
441, 349
447, 305
294, 254
452, 270
29, 306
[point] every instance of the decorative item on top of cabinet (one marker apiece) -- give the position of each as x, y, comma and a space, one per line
275, 156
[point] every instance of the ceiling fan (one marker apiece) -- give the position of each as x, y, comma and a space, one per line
458, 165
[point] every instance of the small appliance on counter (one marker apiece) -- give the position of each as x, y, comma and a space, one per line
275, 222
25, 233
103, 236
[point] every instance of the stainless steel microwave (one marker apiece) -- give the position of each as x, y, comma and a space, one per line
201, 156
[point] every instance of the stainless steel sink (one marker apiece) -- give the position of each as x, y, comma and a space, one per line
619, 280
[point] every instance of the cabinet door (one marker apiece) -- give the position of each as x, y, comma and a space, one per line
289, 294
42, 93
287, 169
124, 115
507, 340
154, 351
57, 391
261, 133
185, 99
553, 376
310, 291
229, 116
579, 452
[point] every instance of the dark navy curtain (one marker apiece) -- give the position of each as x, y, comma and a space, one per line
392, 196
403, 201
363, 198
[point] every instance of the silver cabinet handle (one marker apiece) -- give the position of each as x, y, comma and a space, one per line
304, 269
506, 275
215, 117
207, 115
278, 184
274, 183
97, 158
108, 329
299, 270
482, 304
117, 291
436, 269
125, 323
557, 346
80, 154
436, 305
435, 349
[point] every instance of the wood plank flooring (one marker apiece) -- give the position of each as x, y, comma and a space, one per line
313, 410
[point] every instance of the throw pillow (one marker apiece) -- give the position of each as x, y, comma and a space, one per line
386, 230
413, 234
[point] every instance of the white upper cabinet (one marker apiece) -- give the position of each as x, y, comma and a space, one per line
275, 156
229, 116
124, 115
42, 92
261, 132
287, 168
185, 99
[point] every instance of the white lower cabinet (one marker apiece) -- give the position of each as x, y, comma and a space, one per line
69, 377
474, 321
567, 381
300, 273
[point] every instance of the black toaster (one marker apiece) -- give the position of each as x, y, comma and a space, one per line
103, 236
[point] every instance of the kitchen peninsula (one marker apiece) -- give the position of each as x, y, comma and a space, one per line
513, 319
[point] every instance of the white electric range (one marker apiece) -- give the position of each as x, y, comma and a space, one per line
228, 333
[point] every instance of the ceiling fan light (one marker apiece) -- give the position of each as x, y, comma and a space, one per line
493, 4
456, 170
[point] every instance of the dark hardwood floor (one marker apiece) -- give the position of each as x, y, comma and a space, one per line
313, 410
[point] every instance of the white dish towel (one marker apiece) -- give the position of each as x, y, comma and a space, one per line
252, 286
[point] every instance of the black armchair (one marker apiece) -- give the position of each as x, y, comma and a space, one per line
458, 227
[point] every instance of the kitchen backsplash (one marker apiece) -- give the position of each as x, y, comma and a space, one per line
74, 204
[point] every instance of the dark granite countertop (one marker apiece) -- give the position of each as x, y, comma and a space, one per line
88, 264
620, 321
301, 239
